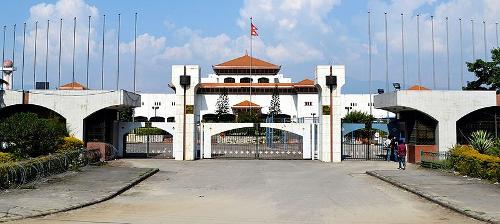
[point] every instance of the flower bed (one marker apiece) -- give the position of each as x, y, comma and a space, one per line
468, 161
17, 173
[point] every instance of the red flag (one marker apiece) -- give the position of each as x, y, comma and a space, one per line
253, 30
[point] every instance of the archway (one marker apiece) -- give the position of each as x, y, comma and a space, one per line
41, 111
148, 142
486, 119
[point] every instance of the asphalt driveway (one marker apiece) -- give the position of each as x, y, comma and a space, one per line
257, 191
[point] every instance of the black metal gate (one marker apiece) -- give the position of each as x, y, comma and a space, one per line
363, 151
257, 143
149, 146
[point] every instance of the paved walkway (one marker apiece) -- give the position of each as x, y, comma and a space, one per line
476, 198
68, 191
257, 191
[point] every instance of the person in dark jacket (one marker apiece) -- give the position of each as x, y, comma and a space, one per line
394, 149
402, 155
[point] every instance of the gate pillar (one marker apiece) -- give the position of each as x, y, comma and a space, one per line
185, 78
330, 80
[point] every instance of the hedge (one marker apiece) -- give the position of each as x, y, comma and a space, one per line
18, 173
468, 161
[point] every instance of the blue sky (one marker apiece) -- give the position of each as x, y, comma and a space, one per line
297, 34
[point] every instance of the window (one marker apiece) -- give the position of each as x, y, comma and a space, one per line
263, 80
245, 80
276, 80
308, 103
229, 80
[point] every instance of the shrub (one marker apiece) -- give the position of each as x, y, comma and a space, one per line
18, 173
468, 161
70, 143
26, 135
149, 131
481, 141
495, 150
6, 157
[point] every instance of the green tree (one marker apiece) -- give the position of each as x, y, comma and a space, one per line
487, 73
358, 117
274, 108
27, 135
222, 105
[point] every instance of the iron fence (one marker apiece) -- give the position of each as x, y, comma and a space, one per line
257, 143
360, 151
435, 160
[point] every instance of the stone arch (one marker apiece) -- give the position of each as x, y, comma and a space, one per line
486, 118
34, 108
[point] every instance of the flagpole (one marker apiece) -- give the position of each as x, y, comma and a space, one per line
485, 44
60, 46
102, 55
370, 61
448, 53
473, 41
251, 53
22, 58
386, 56
433, 54
34, 57
13, 57
461, 56
418, 51
47, 55
403, 48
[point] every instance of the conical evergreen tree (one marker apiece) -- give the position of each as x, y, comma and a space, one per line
222, 106
274, 108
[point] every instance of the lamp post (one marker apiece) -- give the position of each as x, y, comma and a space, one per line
184, 81
331, 82
155, 108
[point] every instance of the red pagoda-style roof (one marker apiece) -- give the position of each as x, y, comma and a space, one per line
244, 62
305, 82
241, 66
72, 86
417, 87
246, 104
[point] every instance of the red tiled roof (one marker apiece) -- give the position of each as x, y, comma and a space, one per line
247, 103
72, 86
244, 62
305, 82
417, 87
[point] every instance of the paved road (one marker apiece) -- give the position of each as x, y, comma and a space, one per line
256, 191
477, 198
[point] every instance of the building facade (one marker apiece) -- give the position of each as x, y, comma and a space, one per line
299, 100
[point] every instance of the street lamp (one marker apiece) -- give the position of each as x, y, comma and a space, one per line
397, 86
155, 108
184, 81
380, 91
331, 82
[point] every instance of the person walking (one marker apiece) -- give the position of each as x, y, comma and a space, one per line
387, 146
394, 149
402, 155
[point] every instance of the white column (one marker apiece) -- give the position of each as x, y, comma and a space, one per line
330, 132
184, 138
446, 134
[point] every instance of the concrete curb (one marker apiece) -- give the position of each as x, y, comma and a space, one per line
437, 200
147, 174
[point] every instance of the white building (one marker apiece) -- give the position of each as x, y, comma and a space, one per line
361, 102
299, 100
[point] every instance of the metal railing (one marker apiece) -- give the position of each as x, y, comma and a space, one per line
435, 160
